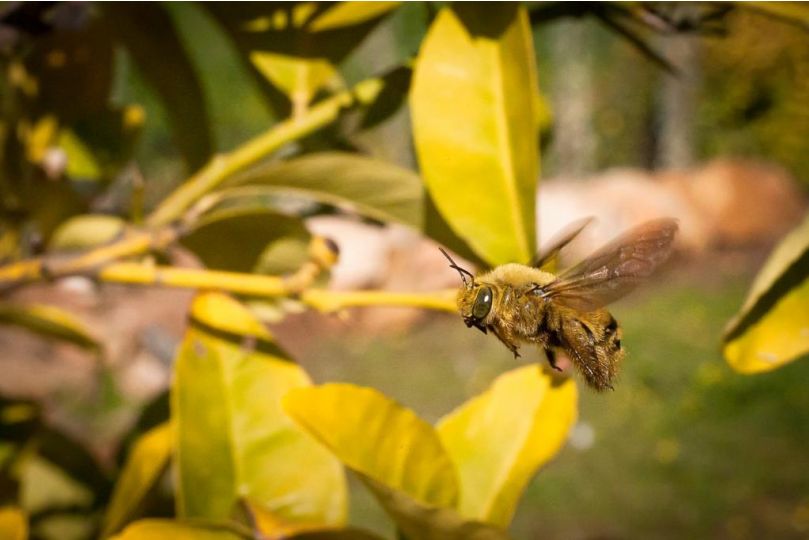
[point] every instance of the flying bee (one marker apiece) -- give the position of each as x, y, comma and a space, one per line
525, 304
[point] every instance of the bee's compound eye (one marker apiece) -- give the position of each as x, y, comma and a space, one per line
483, 303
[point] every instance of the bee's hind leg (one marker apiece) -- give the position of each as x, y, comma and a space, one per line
550, 354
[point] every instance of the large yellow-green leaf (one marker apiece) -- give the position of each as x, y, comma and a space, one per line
500, 438
473, 104
376, 189
232, 440
49, 321
165, 529
772, 327
397, 454
144, 467
13, 524
85, 231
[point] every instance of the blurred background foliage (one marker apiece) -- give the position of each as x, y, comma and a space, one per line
163, 143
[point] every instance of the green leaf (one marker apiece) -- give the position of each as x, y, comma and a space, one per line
74, 459
145, 465
772, 327
500, 438
397, 454
232, 440
85, 231
162, 529
473, 104
235, 238
49, 321
375, 189
13, 523
148, 33
99, 145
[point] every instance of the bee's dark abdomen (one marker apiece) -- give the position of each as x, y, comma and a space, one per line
594, 344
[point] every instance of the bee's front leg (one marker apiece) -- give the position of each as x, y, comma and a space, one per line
550, 354
505, 340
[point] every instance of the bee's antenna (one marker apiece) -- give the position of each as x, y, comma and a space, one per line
462, 271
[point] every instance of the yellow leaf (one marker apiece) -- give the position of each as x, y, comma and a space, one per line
772, 327
86, 231
379, 438
144, 466
13, 523
398, 455
474, 100
298, 77
49, 321
500, 438
780, 336
164, 529
350, 13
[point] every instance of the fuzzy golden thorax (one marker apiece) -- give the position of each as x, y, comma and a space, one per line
485, 302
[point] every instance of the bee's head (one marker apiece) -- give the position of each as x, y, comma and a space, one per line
474, 299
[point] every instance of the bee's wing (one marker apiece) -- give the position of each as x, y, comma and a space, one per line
560, 240
615, 269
